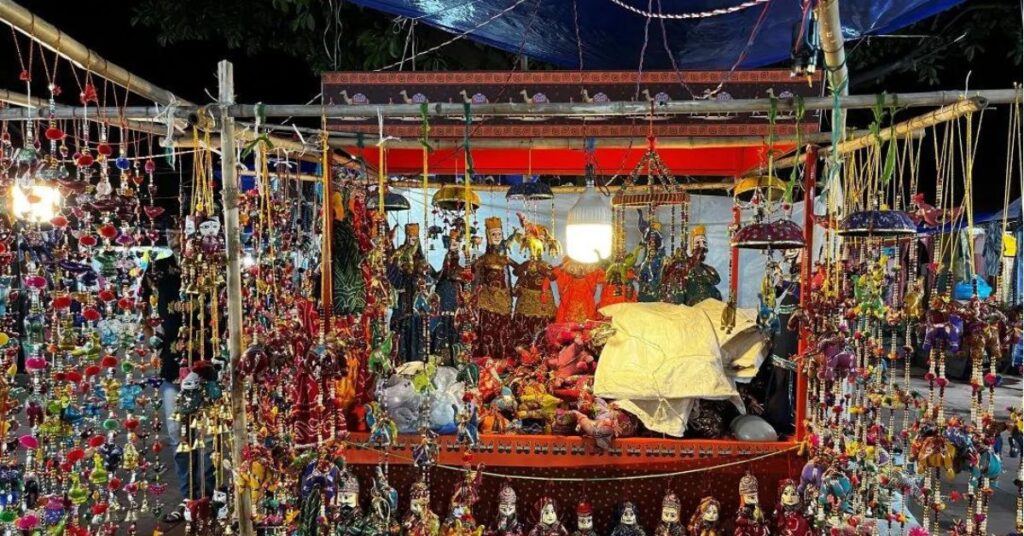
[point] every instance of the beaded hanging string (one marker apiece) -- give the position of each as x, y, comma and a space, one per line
1013, 159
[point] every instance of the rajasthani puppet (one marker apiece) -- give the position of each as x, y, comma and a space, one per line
577, 285
493, 295
408, 272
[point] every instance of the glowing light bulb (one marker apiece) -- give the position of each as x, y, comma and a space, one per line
37, 203
588, 230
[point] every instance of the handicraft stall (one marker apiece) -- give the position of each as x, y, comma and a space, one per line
401, 343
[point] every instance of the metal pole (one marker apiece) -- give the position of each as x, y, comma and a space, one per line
232, 238
899, 130
455, 111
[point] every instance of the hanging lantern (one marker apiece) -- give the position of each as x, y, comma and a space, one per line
770, 188
775, 235
454, 197
878, 223
588, 229
393, 201
529, 191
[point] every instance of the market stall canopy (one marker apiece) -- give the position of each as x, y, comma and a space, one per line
708, 144
612, 32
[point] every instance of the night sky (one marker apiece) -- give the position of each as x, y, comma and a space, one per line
189, 70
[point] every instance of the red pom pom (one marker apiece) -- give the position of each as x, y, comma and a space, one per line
54, 134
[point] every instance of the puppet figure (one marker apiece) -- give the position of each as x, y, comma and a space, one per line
627, 522
584, 520
670, 524
420, 521
649, 272
348, 287
705, 520
408, 272
548, 524
444, 333
508, 522
790, 518
750, 519
493, 295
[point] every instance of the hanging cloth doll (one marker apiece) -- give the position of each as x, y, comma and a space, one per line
702, 279
618, 285
493, 295
577, 283
535, 305
408, 273
348, 287
649, 271
444, 334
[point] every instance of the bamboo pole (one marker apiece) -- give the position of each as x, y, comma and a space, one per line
899, 130
455, 111
232, 239
834, 49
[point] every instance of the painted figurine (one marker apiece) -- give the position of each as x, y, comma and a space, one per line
584, 520
408, 271
627, 522
444, 334
577, 283
493, 295
649, 271
750, 520
420, 521
548, 523
382, 520
790, 518
702, 279
705, 519
619, 277
535, 304
508, 522
670, 515
348, 287
350, 516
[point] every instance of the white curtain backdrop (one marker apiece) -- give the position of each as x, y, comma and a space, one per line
714, 212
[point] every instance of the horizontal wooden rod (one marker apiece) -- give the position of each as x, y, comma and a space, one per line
899, 130
558, 109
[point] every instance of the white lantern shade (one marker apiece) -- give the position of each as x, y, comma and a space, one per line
588, 230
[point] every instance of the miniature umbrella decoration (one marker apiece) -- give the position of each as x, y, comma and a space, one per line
393, 201
776, 235
454, 197
878, 223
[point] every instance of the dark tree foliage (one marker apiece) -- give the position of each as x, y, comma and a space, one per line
978, 36
326, 35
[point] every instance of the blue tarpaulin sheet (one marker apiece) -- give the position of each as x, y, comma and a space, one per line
612, 37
